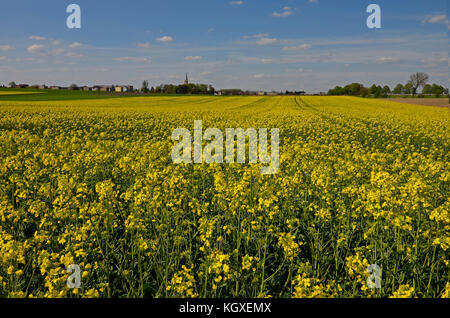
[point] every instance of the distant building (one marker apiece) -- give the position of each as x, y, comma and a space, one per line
232, 91
122, 89
106, 88
295, 93
186, 81
55, 87
21, 86
42, 86
86, 88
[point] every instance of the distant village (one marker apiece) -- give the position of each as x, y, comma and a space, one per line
185, 88
157, 90
99, 88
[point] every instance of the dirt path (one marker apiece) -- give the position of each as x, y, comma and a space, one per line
438, 102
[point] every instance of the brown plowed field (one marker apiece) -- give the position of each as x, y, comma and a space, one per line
438, 102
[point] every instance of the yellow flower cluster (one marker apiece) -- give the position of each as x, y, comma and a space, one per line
404, 291
183, 284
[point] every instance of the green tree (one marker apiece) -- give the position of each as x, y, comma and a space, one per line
338, 90
398, 89
427, 89
438, 90
182, 89
378, 91
373, 89
354, 89
144, 87
407, 89
364, 92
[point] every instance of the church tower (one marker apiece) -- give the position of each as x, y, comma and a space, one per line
186, 81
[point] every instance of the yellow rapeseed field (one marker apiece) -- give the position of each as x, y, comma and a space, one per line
92, 183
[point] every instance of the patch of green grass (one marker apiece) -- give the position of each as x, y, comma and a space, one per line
48, 95
55, 95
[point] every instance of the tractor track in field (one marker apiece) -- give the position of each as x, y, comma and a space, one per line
305, 105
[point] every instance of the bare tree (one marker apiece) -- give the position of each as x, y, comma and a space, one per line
417, 80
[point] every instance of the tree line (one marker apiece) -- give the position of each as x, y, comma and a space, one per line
203, 89
416, 81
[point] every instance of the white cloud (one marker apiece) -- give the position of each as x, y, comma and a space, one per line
237, 3
434, 60
58, 51
72, 54
298, 47
145, 45
440, 18
386, 60
295, 70
36, 49
282, 14
287, 11
267, 61
75, 45
130, 59
193, 58
56, 42
165, 39
313, 1
259, 76
266, 41
5, 48
259, 35
37, 38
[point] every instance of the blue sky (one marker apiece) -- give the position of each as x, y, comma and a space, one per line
250, 44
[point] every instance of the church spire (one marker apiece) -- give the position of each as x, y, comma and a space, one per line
186, 82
